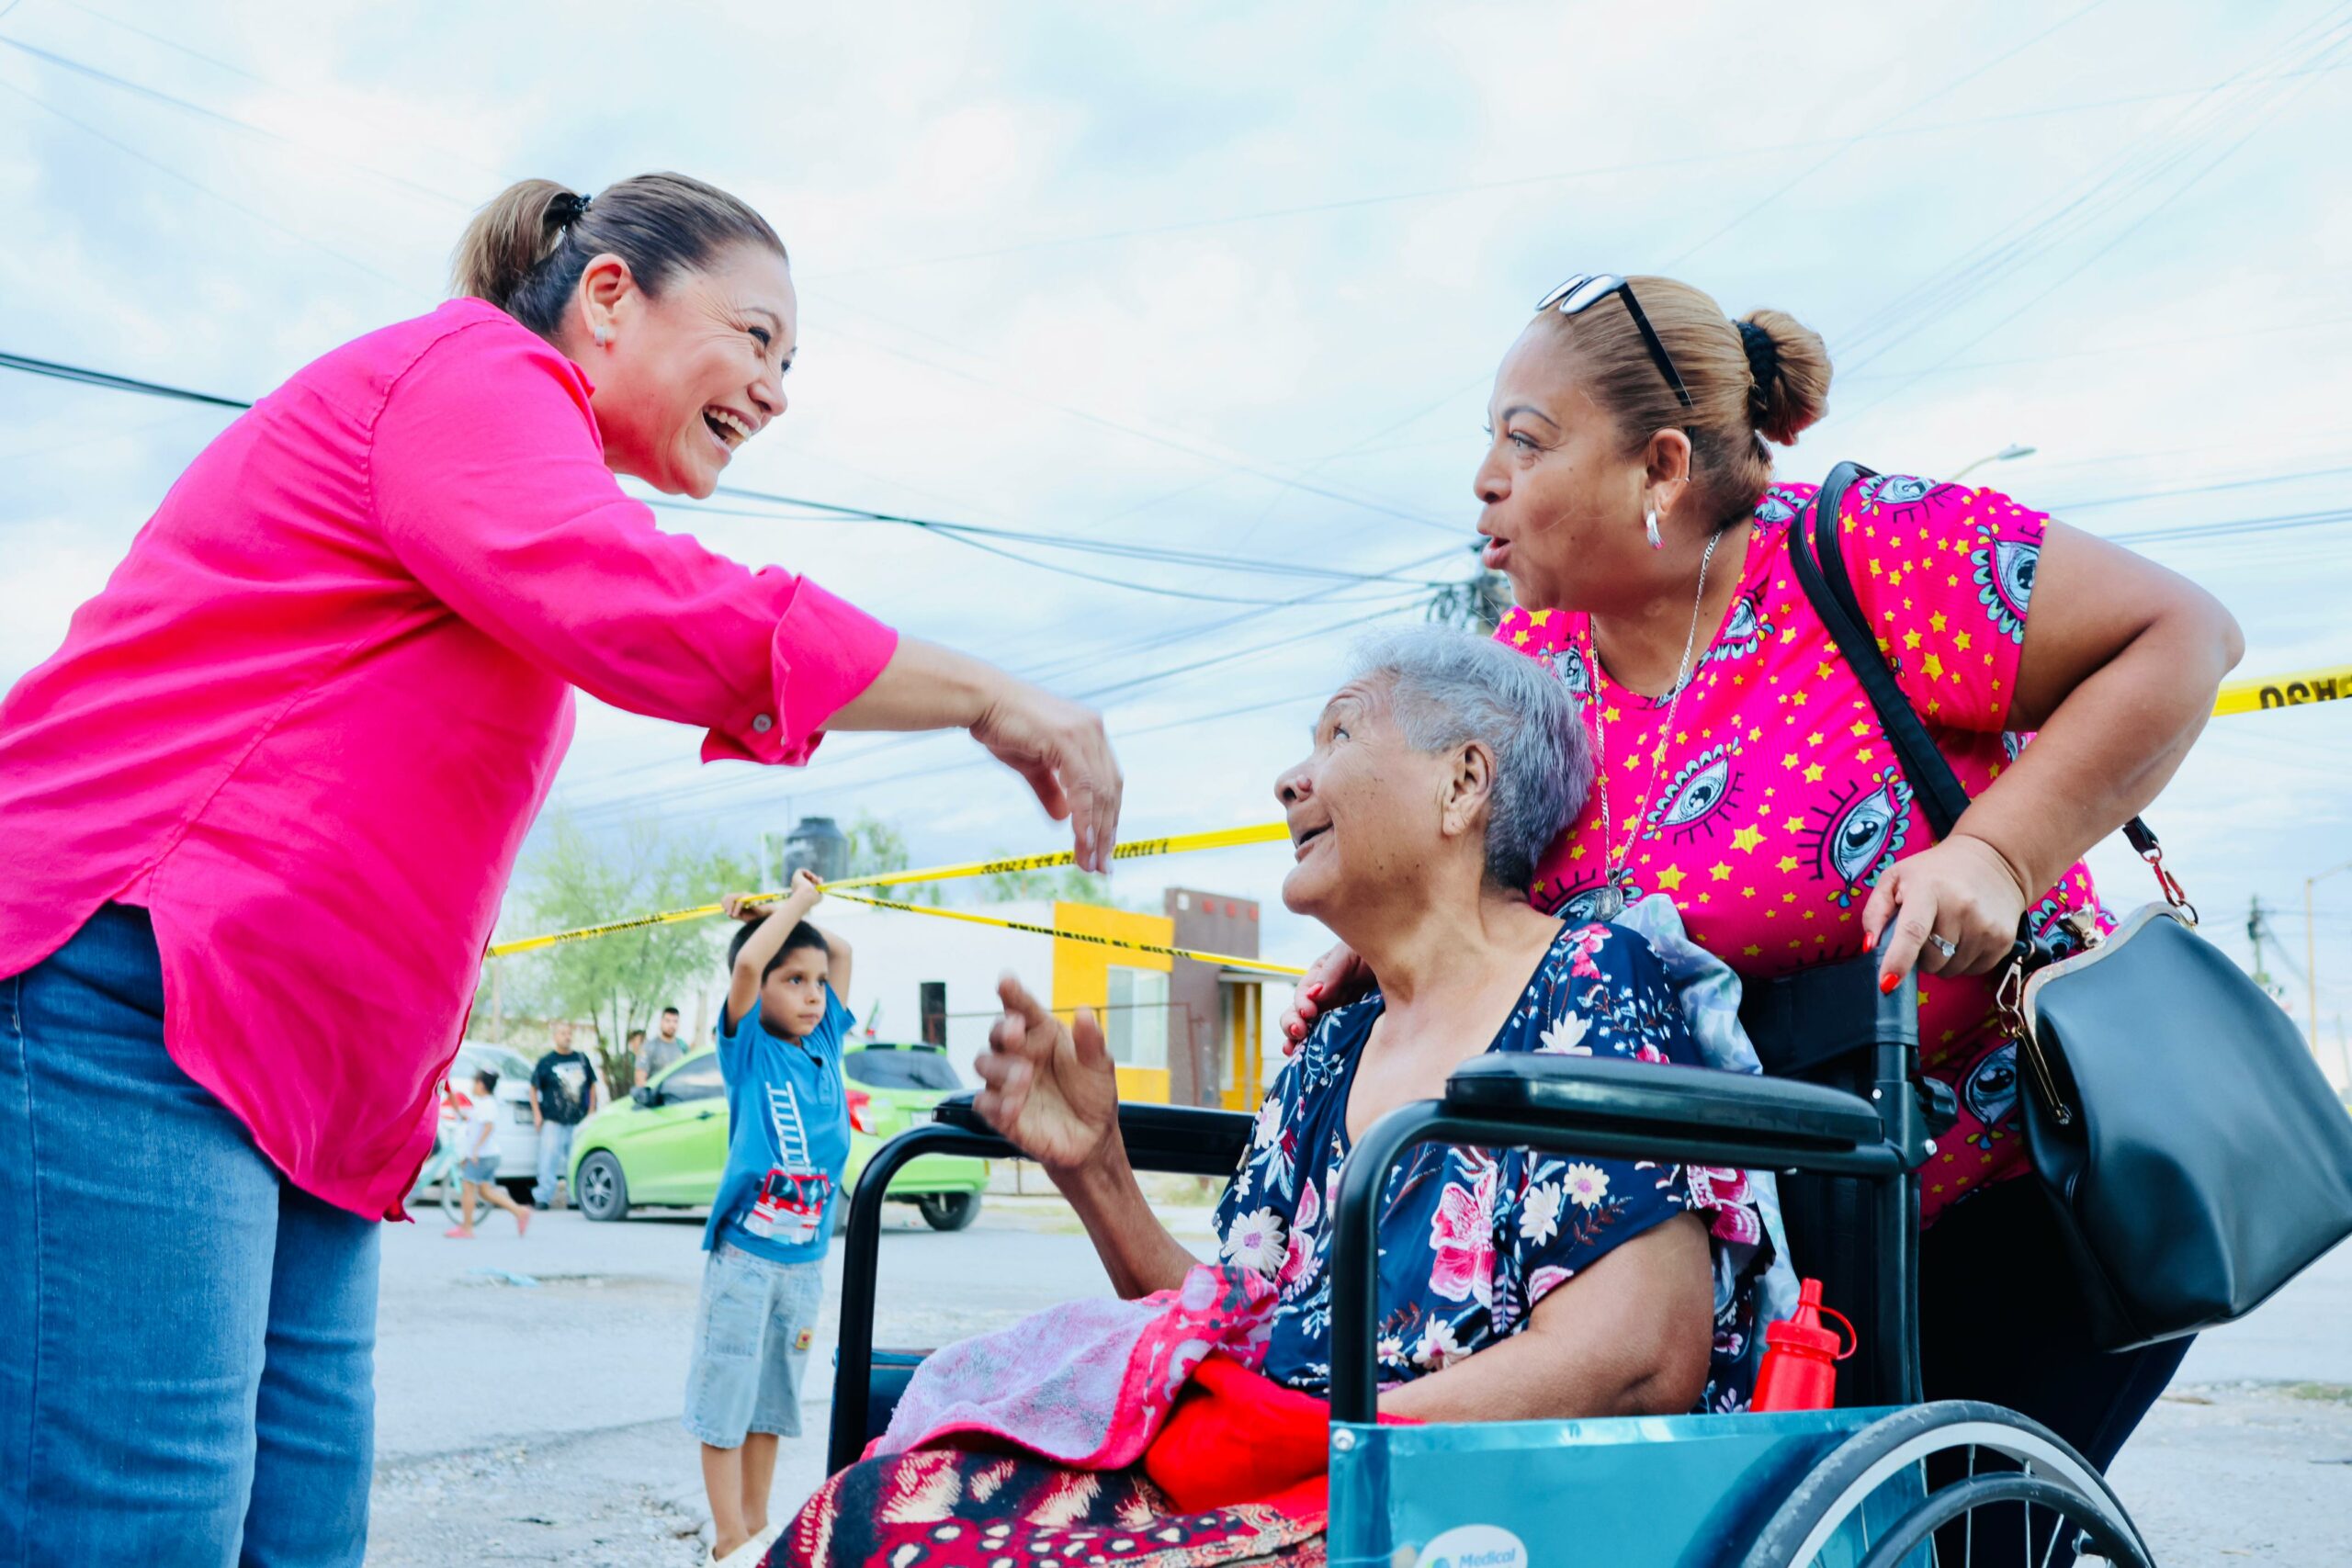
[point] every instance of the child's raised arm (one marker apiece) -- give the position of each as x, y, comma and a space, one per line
837, 963
777, 922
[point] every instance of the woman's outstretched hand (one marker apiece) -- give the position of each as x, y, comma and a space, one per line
1333, 980
1062, 750
1058, 746
1048, 1089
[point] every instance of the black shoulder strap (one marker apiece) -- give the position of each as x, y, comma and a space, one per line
1821, 567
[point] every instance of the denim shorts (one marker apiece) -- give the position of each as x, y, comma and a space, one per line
479, 1169
752, 1330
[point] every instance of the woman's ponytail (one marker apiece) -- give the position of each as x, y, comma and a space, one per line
509, 238
526, 252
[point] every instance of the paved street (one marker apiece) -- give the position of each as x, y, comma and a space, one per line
529, 1393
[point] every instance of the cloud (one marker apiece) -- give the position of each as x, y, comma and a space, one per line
1163, 275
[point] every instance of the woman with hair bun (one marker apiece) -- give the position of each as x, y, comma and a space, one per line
1629, 495
258, 811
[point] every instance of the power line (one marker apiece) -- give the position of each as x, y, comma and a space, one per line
194, 184
113, 383
1847, 143
122, 83
1238, 463
2255, 483
2235, 527
1210, 558
1523, 182
969, 534
2139, 168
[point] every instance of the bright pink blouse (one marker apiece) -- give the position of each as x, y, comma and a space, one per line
309, 719
1773, 804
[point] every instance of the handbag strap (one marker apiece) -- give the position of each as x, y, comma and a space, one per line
1816, 556
1821, 568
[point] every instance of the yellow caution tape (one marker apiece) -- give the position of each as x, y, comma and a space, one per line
2237, 696
1141, 848
2285, 691
1225, 959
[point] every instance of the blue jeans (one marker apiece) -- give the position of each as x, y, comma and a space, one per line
186, 1341
555, 1159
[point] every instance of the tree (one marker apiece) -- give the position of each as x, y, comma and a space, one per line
619, 982
875, 848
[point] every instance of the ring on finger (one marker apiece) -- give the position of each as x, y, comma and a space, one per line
1943, 947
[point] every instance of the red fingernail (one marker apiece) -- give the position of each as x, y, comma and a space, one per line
1314, 991
1887, 983
1870, 942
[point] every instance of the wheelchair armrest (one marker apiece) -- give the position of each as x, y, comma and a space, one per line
1662, 1098
1184, 1139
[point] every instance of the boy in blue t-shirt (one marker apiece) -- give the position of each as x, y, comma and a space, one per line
780, 1048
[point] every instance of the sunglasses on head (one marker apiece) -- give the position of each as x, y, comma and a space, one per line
1585, 289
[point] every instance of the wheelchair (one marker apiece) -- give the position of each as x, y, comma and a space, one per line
1882, 1481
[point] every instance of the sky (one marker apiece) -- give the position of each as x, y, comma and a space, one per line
1233, 279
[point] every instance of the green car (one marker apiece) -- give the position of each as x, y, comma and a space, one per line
666, 1144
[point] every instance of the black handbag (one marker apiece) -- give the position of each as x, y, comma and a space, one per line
2194, 1154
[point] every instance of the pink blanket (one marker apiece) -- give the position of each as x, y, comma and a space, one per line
1087, 1383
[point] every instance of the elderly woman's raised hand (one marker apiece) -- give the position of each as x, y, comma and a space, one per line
1048, 1089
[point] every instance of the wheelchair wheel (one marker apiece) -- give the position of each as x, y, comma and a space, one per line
2003, 1489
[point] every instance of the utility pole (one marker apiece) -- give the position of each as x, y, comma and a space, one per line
2310, 955
2254, 938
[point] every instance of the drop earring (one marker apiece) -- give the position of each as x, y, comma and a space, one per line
1649, 528
604, 339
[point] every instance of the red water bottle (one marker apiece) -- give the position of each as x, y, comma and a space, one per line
1800, 1358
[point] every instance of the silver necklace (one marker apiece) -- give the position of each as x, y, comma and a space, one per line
1612, 902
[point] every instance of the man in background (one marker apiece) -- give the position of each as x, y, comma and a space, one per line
661, 1050
563, 1092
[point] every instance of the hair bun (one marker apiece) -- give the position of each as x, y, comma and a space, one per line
1791, 367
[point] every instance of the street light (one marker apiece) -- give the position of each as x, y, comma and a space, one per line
2005, 454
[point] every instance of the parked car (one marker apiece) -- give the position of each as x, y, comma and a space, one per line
666, 1145
519, 1140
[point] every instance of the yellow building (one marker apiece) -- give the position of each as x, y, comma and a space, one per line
1127, 989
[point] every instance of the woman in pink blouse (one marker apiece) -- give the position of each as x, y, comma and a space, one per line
258, 811
1628, 494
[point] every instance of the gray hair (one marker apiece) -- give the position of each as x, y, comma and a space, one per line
1449, 688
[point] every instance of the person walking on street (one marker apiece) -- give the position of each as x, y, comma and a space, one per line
478, 1159
660, 1051
565, 1091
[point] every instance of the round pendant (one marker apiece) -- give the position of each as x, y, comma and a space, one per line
1608, 903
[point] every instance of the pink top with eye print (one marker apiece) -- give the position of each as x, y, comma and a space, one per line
1778, 802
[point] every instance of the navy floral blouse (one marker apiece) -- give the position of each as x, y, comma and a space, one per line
1471, 1239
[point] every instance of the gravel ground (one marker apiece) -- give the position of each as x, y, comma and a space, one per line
528, 1394
582, 1500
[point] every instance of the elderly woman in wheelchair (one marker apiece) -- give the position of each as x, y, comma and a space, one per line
1513, 1284
1484, 1209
